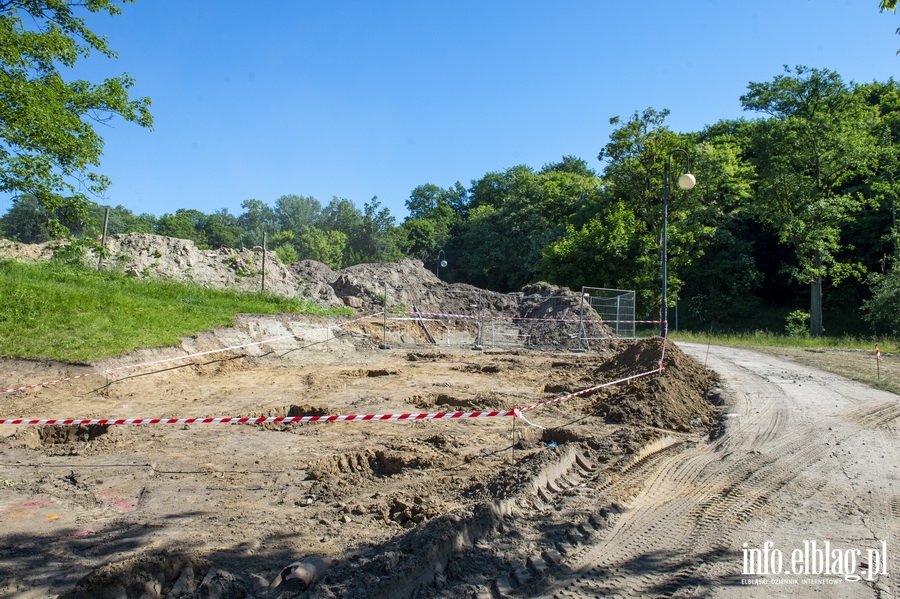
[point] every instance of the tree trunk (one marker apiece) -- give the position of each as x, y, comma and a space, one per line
815, 308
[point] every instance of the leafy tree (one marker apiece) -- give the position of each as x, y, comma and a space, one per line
341, 215
283, 244
322, 246
379, 240
884, 184
433, 202
570, 164
26, 221
293, 212
223, 230
818, 139
610, 250
122, 220
513, 215
257, 219
184, 224
370, 233
882, 310
720, 280
479, 249
49, 147
422, 238
434, 213
635, 159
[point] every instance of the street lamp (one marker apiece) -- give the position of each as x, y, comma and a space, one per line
685, 181
440, 263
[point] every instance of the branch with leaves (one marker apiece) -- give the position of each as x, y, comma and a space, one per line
49, 148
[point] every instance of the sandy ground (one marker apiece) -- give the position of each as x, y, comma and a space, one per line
646, 489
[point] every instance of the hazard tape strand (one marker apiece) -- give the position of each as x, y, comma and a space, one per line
262, 419
515, 412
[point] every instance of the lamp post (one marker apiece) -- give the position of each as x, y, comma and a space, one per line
440, 263
685, 181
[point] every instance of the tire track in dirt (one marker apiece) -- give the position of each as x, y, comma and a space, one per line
682, 534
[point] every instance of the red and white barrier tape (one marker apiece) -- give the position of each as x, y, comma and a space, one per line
516, 412
264, 420
111, 371
520, 319
63, 380
592, 389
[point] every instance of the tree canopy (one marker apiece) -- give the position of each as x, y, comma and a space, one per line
820, 138
798, 198
49, 147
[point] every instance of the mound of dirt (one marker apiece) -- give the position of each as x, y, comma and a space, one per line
157, 575
25, 252
540, 315
543, 304
674, 399
142, 255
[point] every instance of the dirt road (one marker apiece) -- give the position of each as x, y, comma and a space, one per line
807, 457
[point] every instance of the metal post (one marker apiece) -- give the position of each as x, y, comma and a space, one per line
581, 330
479, 339
440, 261
685, 181
618, 313
664, 312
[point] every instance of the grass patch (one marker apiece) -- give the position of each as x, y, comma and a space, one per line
60, 312
769, 339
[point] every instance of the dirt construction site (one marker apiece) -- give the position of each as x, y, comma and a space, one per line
637, 468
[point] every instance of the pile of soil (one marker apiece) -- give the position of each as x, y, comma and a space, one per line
25, 252
674, 399
542, 306
402, 287
141, 255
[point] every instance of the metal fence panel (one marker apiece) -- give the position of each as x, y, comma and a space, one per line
615, 308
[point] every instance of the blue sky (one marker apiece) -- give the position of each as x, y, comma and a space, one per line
357, 99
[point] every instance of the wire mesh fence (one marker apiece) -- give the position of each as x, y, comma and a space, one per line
615, 307
541, 316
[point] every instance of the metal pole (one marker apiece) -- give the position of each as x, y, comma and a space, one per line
582, 333
618, 313
686, 181
437, 271
479, 331
664, 312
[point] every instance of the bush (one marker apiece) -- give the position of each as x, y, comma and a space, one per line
882, 311
797, 323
